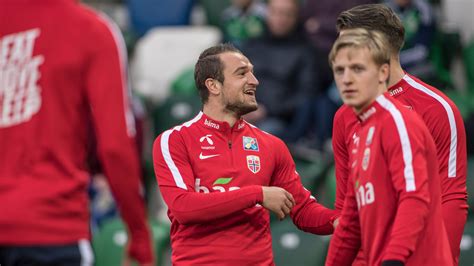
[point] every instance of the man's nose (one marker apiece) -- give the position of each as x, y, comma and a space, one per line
252, 79
347, 77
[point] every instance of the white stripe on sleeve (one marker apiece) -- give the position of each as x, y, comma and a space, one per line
452, 160
165, 150
122, 53
87, 256
404, 140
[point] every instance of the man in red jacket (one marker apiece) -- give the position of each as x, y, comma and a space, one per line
219, 175
437, 111
392, 205
62, 74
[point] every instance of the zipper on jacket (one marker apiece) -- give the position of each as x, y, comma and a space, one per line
229, 144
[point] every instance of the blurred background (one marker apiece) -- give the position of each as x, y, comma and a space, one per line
288, 42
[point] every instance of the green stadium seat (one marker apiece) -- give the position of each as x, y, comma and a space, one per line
468, 58
465, 99
327, 193
176, 110
461, 100
467, 245
310, 172
214, 9
294, 247
109, 243
184, 83
470, 183
182, 105
162, 55
445, 47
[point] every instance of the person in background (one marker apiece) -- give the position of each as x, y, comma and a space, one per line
418, 19
319, 17
63, 76
437, 111
243, 20
392, 206
286, 72
220, 176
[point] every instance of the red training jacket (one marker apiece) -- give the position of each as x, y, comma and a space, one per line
63, 68
443, 120
393, 201
211, 177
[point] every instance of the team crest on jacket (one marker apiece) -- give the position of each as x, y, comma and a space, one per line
253, 163
366, 159
250, 144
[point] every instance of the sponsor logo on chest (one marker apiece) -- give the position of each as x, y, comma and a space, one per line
204, 157
211, 124
250, 144
365, 115
206, 140
396, 91
221, 184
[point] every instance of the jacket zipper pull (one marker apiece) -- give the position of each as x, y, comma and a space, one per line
230, 144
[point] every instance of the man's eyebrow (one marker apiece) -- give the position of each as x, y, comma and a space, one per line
250, 67
357, 65
240, 68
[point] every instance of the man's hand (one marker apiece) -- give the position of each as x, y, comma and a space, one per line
127, 261
138, 253
335, 223
278, 200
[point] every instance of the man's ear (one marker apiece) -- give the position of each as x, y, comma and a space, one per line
214, 86
384, 73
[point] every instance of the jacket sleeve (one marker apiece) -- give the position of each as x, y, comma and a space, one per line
107, 93
447, 128
341, 158
175, 178
346, 241
405, 151
308, 215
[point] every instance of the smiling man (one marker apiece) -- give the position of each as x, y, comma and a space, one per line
392, 207
220, 176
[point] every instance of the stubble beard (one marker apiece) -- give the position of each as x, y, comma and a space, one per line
240, 108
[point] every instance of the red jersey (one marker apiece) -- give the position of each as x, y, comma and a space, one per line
393, 201
62, 68
443, 120
211, 176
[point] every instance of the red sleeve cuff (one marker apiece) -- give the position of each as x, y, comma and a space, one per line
142, 251
394, 257
259, 194
336, 215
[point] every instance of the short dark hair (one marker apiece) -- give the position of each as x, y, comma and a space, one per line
209, 65
377, 17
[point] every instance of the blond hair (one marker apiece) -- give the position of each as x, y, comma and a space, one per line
360, 38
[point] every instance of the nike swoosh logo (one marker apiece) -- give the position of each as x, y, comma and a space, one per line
204, 157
